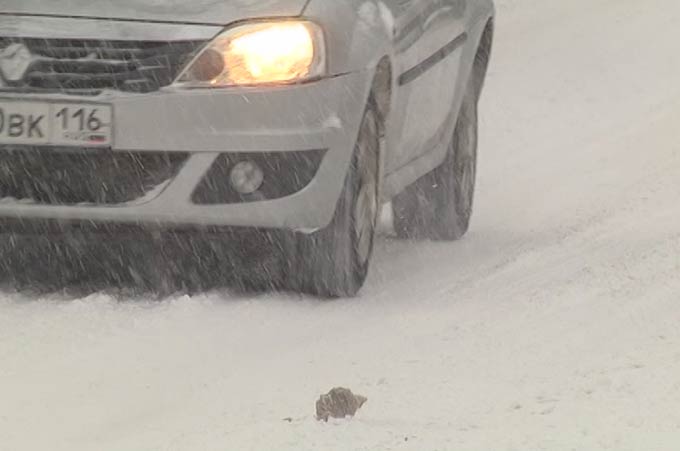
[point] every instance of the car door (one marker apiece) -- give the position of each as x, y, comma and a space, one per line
428, 38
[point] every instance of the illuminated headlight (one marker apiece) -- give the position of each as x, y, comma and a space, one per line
258, 53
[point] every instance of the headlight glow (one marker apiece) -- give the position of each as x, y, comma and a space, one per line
259, 53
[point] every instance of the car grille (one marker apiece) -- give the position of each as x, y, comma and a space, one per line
88, 66
54, 176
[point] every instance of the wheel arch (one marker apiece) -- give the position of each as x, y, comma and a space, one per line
382, 89
482, 58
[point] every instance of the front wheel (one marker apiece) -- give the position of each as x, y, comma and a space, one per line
334, 261
438, 206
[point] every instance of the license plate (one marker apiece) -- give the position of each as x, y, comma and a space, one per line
57, 124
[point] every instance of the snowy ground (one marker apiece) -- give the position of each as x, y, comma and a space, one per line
555, 325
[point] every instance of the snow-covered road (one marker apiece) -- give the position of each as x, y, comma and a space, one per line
554, 325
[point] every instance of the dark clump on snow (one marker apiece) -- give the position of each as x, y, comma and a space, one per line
338, 403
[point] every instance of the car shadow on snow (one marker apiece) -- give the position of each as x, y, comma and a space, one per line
146, 265
137, 265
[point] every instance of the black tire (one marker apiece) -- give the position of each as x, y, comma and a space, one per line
334, 261
438, 206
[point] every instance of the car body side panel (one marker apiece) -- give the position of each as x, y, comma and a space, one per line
428, 41
475, 23
413, 138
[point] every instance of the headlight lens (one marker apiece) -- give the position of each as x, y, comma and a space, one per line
257, 53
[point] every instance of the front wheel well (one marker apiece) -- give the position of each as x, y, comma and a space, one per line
483, 55
381, 90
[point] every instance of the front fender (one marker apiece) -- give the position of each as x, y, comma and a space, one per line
359, 33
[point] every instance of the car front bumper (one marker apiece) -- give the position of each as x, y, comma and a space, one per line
322, 116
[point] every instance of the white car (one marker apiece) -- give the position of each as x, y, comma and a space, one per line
296, 116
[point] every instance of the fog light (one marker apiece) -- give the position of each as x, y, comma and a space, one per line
246, 177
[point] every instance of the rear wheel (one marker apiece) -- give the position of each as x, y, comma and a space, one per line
334, 261
438, 206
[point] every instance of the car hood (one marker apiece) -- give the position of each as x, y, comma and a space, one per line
217, 12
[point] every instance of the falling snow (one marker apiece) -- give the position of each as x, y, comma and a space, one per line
554, 325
